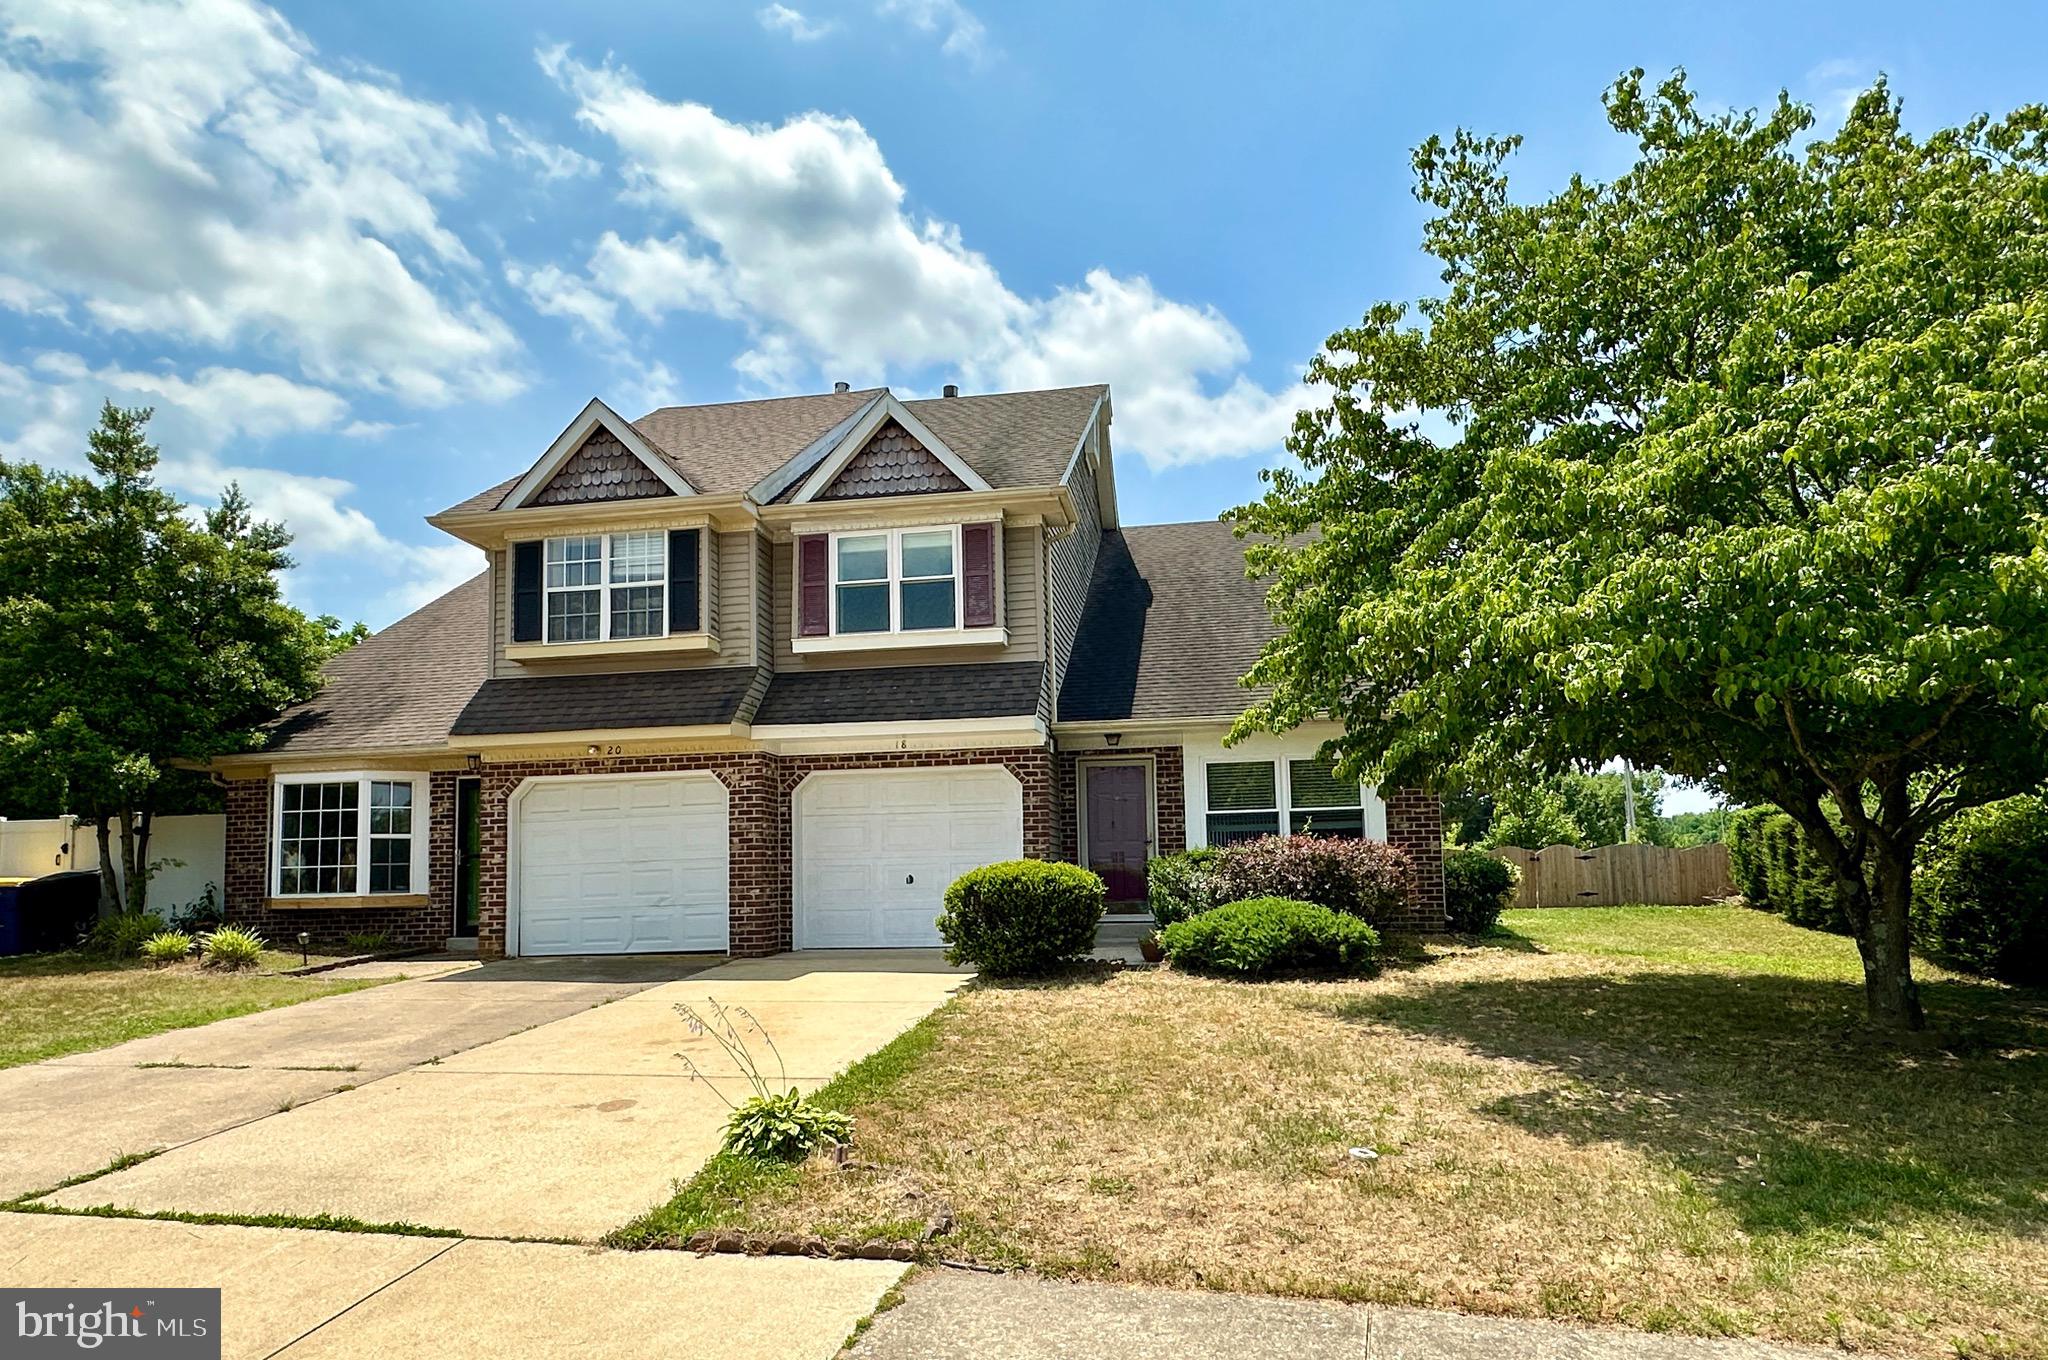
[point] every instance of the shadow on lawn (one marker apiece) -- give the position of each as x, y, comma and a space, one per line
1767, 1091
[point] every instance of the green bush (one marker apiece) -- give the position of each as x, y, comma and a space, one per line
783, 1128
1980, 896
121, 936
1796, 882
167, 946
1179, 886
231, 947
1746, 863
1367, 879
1269, 935
1021, 917
1477, 889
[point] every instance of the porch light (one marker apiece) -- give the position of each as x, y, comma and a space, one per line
1112, 738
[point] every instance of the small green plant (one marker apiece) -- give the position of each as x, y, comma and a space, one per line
1021, 917
772, 1124
1270, 935
167, 946
1181, 885
200, 915
1477, 888
121, 935
230, 947
367, 942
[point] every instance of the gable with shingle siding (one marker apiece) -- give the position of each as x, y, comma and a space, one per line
602, 470
892, 463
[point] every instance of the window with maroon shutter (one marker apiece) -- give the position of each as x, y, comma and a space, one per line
978, 575
813, 585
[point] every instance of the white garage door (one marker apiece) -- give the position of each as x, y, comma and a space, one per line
628, 865
875, 850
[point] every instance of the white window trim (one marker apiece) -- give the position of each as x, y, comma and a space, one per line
894, 582
604, 589
422, 792
1283, 790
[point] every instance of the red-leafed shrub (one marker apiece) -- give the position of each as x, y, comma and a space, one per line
1367, 879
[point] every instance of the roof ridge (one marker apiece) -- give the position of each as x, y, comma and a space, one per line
759, 401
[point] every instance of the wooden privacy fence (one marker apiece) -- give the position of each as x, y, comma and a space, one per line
1615, 875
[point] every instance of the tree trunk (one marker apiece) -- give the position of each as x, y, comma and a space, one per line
128, 861
1886, 943
110, 882
135, 828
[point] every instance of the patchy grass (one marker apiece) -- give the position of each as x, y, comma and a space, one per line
68, 1003
1666, 1118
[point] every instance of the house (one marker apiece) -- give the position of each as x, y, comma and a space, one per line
764, 674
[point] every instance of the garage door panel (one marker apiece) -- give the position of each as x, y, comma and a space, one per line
876, 850
627, 865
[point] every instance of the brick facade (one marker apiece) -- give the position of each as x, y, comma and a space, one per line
1169, 795
1415, 823
247, 878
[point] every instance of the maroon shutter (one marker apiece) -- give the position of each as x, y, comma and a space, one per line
813, 587
978, 575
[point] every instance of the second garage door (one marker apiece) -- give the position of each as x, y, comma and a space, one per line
875, 850
627, 865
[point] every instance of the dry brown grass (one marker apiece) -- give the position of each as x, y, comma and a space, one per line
1670, 1141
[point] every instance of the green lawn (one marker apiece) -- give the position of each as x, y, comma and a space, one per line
1666, 1118
56, 1004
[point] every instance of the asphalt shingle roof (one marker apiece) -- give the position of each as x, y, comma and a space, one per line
399, 688
1169, 625
1013, 439
580, 703
903, 693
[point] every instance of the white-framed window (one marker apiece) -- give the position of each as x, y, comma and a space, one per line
1248, 798
349, 833
606, 586
895, 580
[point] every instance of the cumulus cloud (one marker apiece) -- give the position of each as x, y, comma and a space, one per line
801, 232
794, 23
189, 169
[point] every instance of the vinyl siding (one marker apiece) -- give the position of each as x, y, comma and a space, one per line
1070, 566
1020, 610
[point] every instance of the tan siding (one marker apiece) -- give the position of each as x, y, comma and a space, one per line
1023, 591
712, 551
764, 601
734, 581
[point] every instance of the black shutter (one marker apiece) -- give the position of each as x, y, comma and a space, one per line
685, 581
526, 592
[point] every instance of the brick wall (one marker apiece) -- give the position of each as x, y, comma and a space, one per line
761, 786
1415, 823
1169, 793
247, 877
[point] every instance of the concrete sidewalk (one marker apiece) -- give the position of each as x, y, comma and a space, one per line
305, 1295
963, 1315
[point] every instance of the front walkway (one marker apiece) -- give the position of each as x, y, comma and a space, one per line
562, 1132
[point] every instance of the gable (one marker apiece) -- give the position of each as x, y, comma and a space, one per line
603, 469
892, 463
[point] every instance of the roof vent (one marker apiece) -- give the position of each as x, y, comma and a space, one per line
951, 389
842, 387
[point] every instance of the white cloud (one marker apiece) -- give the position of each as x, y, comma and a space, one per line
30, 298
800, 28
962, 34
801, 231
1832, 87
549, 161
188, 168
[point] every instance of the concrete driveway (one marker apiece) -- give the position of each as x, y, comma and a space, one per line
305, 1295
75, 1115
561, 1132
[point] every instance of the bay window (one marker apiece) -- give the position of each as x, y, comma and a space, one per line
349, 835
896, 581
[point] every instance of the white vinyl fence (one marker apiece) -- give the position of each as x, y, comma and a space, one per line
190, 854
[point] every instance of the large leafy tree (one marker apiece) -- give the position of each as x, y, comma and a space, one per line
1733, 465
137, 640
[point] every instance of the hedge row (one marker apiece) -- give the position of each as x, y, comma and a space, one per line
1775, 869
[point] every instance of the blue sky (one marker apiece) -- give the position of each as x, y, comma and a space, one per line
369, 258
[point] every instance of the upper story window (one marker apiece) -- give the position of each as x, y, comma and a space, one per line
607, 586
896, 581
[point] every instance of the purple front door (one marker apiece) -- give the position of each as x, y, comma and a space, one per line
1119, 828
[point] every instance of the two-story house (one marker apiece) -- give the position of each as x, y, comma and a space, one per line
771, 674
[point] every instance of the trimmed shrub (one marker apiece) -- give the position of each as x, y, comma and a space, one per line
1477, 889
1746, 862
1179, 886
121, 936
1367, 879
167, 946
1980, 897
231, 947
1796, 882
1021, 917
1270, 935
